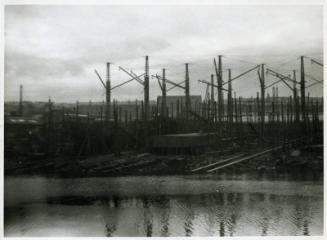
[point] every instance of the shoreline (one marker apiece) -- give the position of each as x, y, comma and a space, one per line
147, 164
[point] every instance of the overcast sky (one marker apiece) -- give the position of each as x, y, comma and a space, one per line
53, 50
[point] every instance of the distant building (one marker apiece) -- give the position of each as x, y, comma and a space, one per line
176, 104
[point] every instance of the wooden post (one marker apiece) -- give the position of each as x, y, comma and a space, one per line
90, 107
263, 104
288, 111
303, 92
247, 109
295, 99
77, 109
146, 90
240, 114
164, 94
182, 108
142, 111
63, 115
177, 109
282, 112
137, 110
101, 111
273, 105
268, 105
291, 109
108, 93
49, 129
251, 109
208, 110
277, 110
308, 110
230, 99
235, 104
187, 92
317, 118
312, 117
157, 112
277, 105
215, 111
317, 110
220, 91
212, 99
20, 110
115, 112
258, 108
63, 130
120, 113
126, 117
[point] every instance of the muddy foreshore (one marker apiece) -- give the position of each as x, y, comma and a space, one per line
294, 161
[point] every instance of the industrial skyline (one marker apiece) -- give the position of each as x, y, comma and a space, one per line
163, 120
56, 56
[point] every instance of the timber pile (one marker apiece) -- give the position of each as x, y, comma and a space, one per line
231, 160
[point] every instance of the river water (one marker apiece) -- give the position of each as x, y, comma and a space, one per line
238, 205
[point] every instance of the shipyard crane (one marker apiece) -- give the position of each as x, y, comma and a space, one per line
282, 78
186, 87
316, 62
159, 78
108, 88
314, 79
162, 84
242, 74
121, 84
221, 84
211, 84
144, 83
207, 95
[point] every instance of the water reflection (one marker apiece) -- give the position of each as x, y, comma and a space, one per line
231, 225
163, 204
188, 216
110, 220
206, 214
305, 227
109, 230
147, 217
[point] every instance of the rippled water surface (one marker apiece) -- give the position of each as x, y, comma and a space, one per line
162, 206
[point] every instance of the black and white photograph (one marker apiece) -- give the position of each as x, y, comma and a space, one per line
163, 120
